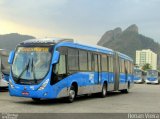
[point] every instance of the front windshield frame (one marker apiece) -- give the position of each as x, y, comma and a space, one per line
29, 81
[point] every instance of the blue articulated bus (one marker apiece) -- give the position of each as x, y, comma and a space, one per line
153, 77
54, 68
4, 68
139, 76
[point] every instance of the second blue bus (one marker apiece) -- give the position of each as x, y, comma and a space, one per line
139, 75
153, 77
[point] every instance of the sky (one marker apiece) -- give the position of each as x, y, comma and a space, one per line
83, 20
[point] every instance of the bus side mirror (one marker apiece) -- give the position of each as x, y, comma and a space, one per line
11, 56
56, 55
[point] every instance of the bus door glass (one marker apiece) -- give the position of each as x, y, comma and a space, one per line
0, 69
116, 65
99, 69
96, 72
126, 70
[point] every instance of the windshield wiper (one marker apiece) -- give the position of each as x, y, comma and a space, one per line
33, 70
25, 68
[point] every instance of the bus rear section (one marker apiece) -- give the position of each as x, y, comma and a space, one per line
123, 73
51, 68
153, 77
4, 68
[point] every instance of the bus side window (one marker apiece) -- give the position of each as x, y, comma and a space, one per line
123, 66
93, 63
104, 63
96, 63
83, 63
126, 69
89, 61
73, 64
110, 64
129, 68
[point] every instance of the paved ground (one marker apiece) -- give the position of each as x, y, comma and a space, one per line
142, 98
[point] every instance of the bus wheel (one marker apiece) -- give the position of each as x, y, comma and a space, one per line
36, 99
126, 90
104, 90
72, 94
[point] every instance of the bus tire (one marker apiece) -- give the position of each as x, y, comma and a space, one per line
36, 99
72, 94
104, 90
126, 90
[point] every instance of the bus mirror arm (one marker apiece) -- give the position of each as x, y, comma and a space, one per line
11, 56
55, 57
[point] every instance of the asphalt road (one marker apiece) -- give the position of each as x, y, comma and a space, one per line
142, 98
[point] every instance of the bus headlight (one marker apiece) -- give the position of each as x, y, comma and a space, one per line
44, 85
11, 84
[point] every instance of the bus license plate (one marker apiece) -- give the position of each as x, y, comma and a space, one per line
25, 93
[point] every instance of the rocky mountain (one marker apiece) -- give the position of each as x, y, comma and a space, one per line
128, 41
9, 41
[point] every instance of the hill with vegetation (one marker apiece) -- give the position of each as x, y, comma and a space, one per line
128, 41
9, 41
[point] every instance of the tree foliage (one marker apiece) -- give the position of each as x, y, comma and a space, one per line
146, 67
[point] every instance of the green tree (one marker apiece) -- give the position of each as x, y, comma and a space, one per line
147, 66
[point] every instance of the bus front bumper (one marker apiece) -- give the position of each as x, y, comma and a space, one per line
153, 82
48, 93
31, 94
138, 81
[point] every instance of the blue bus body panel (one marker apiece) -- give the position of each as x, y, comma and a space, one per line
111, 77
131, 78
31, 89
89, 79
85, 80
123, 56
152, 78
74, 45
136, 78
123, 78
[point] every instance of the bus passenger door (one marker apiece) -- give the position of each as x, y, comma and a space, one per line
0, 70
96, 69
116, 72
126, 71
99, 69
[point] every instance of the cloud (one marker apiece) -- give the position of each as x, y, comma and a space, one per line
87, 19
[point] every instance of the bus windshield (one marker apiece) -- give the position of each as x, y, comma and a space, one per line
138, 73
152, 73
31, 63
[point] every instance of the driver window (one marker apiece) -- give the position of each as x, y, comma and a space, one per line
59, 69
62, 65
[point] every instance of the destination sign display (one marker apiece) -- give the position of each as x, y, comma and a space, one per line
33, 49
